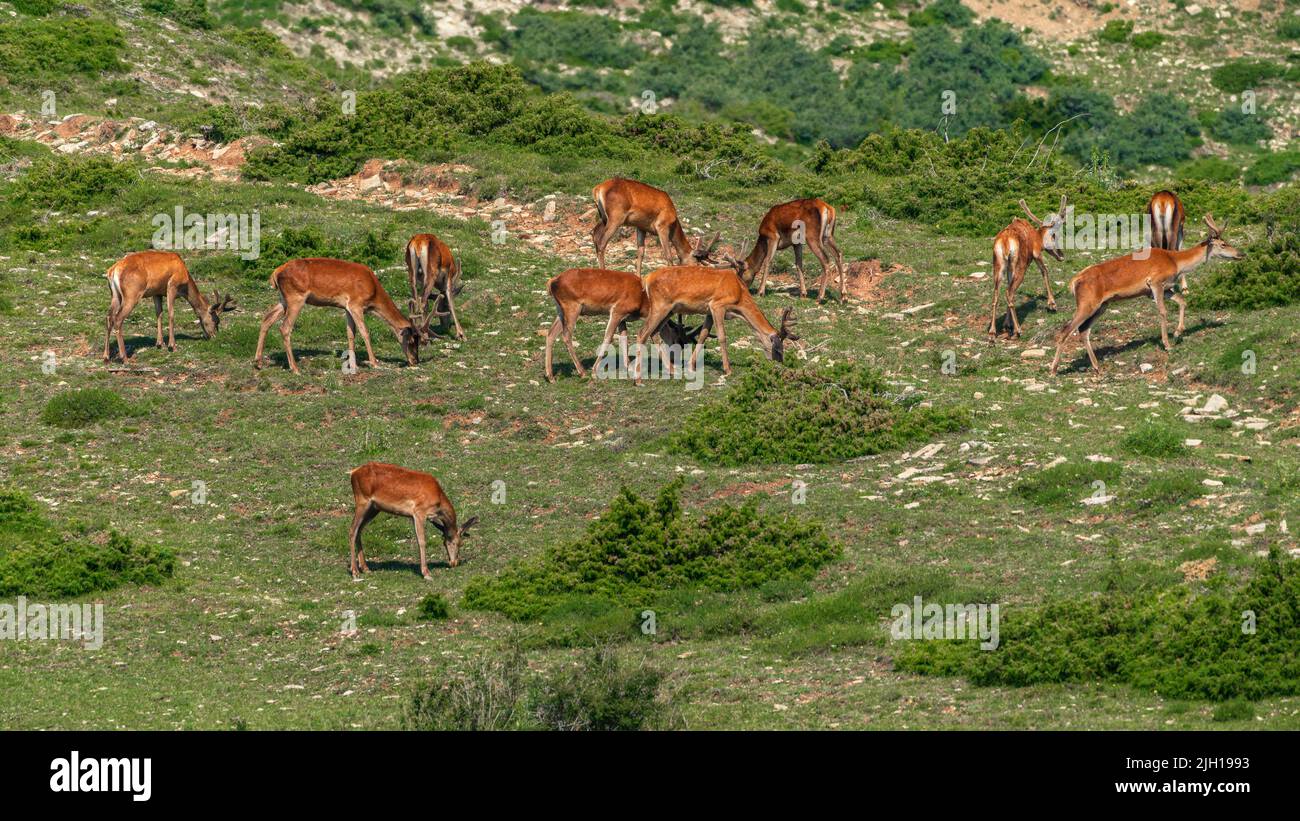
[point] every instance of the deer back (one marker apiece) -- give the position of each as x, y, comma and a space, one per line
598, 289
396, 488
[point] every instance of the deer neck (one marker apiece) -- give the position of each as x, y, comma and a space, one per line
195, 297
753, 315
677, 235
1191, 258
389, 312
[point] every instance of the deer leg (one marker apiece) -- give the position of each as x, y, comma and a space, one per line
815, 245
798, 266
997, 292
451, 308
765, 267
359, 317
128, 305
640, 250
1079, 318
1158, 294
571, 315
276, 311
157, 314
1092, 355
666, 245
1013, 285
365, 512
171, 319
352, 335
1047, 284
611, 230
720, 320
597, 231
648, 328
113, 305
839, 262
286, 332
614, 321
556, 327
1182, 311
419, 538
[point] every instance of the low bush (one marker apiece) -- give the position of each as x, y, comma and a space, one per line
601, 694
778, 414
433, 607
37, 559
490, 696
1271, 168
1068, 483
1156, 440
1179, 643
638, 550
38, 50
1267, 277
1238, 75
81, 407
63, 183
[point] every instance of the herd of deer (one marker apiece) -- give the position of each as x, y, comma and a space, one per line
688, 285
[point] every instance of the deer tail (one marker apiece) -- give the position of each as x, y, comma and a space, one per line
598, 194
828, 223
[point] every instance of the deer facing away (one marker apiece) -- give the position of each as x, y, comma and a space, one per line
378, 487
1013, 249
430, 267
163, 276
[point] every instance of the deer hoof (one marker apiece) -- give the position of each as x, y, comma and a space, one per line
1051, 306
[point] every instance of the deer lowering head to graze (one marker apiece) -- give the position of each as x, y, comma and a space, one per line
1165, 211
717, 293
431, 267
1013, 249
335, 283
796, 223
622, 202
161, 275
1130, 276
382, 488
599, 292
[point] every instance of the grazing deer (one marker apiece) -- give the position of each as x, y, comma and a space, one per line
1128, 276
431, 267
1014, 248
337, 284
157, 274
379, 487
622, 202
796, 223
716, 293
598, 292
1165, 211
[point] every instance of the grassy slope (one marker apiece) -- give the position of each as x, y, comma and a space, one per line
249, 632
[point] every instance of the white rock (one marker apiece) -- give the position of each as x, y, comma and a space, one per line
1215, 404
1256, 529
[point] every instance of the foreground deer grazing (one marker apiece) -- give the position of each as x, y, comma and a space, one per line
1165, 211
717, 293
622, 202
431, 267
1013, 249
378, 487
161, 275
600, 292
1126, 277
337, 284
796, 223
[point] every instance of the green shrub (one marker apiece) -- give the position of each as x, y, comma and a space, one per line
35, 8
1155, 440
491, 696
601, 694
190, 13
1068, 483
1211, 169
1236, 710
569, 37
941, 13
38, 560
1147, 40
1238, 75
1239, 128
778, 414
1181, 644
1268, 276
1115, 31
1166, 491
638, 550
1275, 167
81, 407
36, 50
433, 607
62, 183
1288, 28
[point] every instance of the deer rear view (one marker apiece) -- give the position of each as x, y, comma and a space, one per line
1013, 249
430, 267
1165, 211
378, 487
335, 283
161, 275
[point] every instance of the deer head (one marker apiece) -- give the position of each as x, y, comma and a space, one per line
211, 319
1049, 229
1215, 245
703, 253
782, 334
452, 538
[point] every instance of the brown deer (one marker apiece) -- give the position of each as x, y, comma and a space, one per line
1130, 276
161, 275
378, 487
337, 284
1165, 211
431, 267
600, 292
622, 202
716, 293
1013, 249
796, 223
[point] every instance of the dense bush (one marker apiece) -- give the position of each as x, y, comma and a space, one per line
190, 13
1272, 168
1268, 276
1178, 643
1152, 439
38, 560
36, 49
1238, 75
569, 37
60, 182
79, 407
601, 694
491, 696
777, 414
433, 607
1235, 126
638, 550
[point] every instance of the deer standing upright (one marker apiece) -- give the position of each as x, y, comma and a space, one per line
378, 487
622, 202
430, 266
1129, 276
796, 223
161, 275
336, 283
1013, 249
1165, 211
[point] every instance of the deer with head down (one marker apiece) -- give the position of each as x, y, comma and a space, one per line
163, 276
1154, 275
622, 202
431, 267
378, 487
335, 283
1013, 249
797, 223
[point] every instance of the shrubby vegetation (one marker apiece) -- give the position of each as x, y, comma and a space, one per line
1268, 276
777, 414
52, 52
638, 550
38, 558
1180, 643
81, 407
